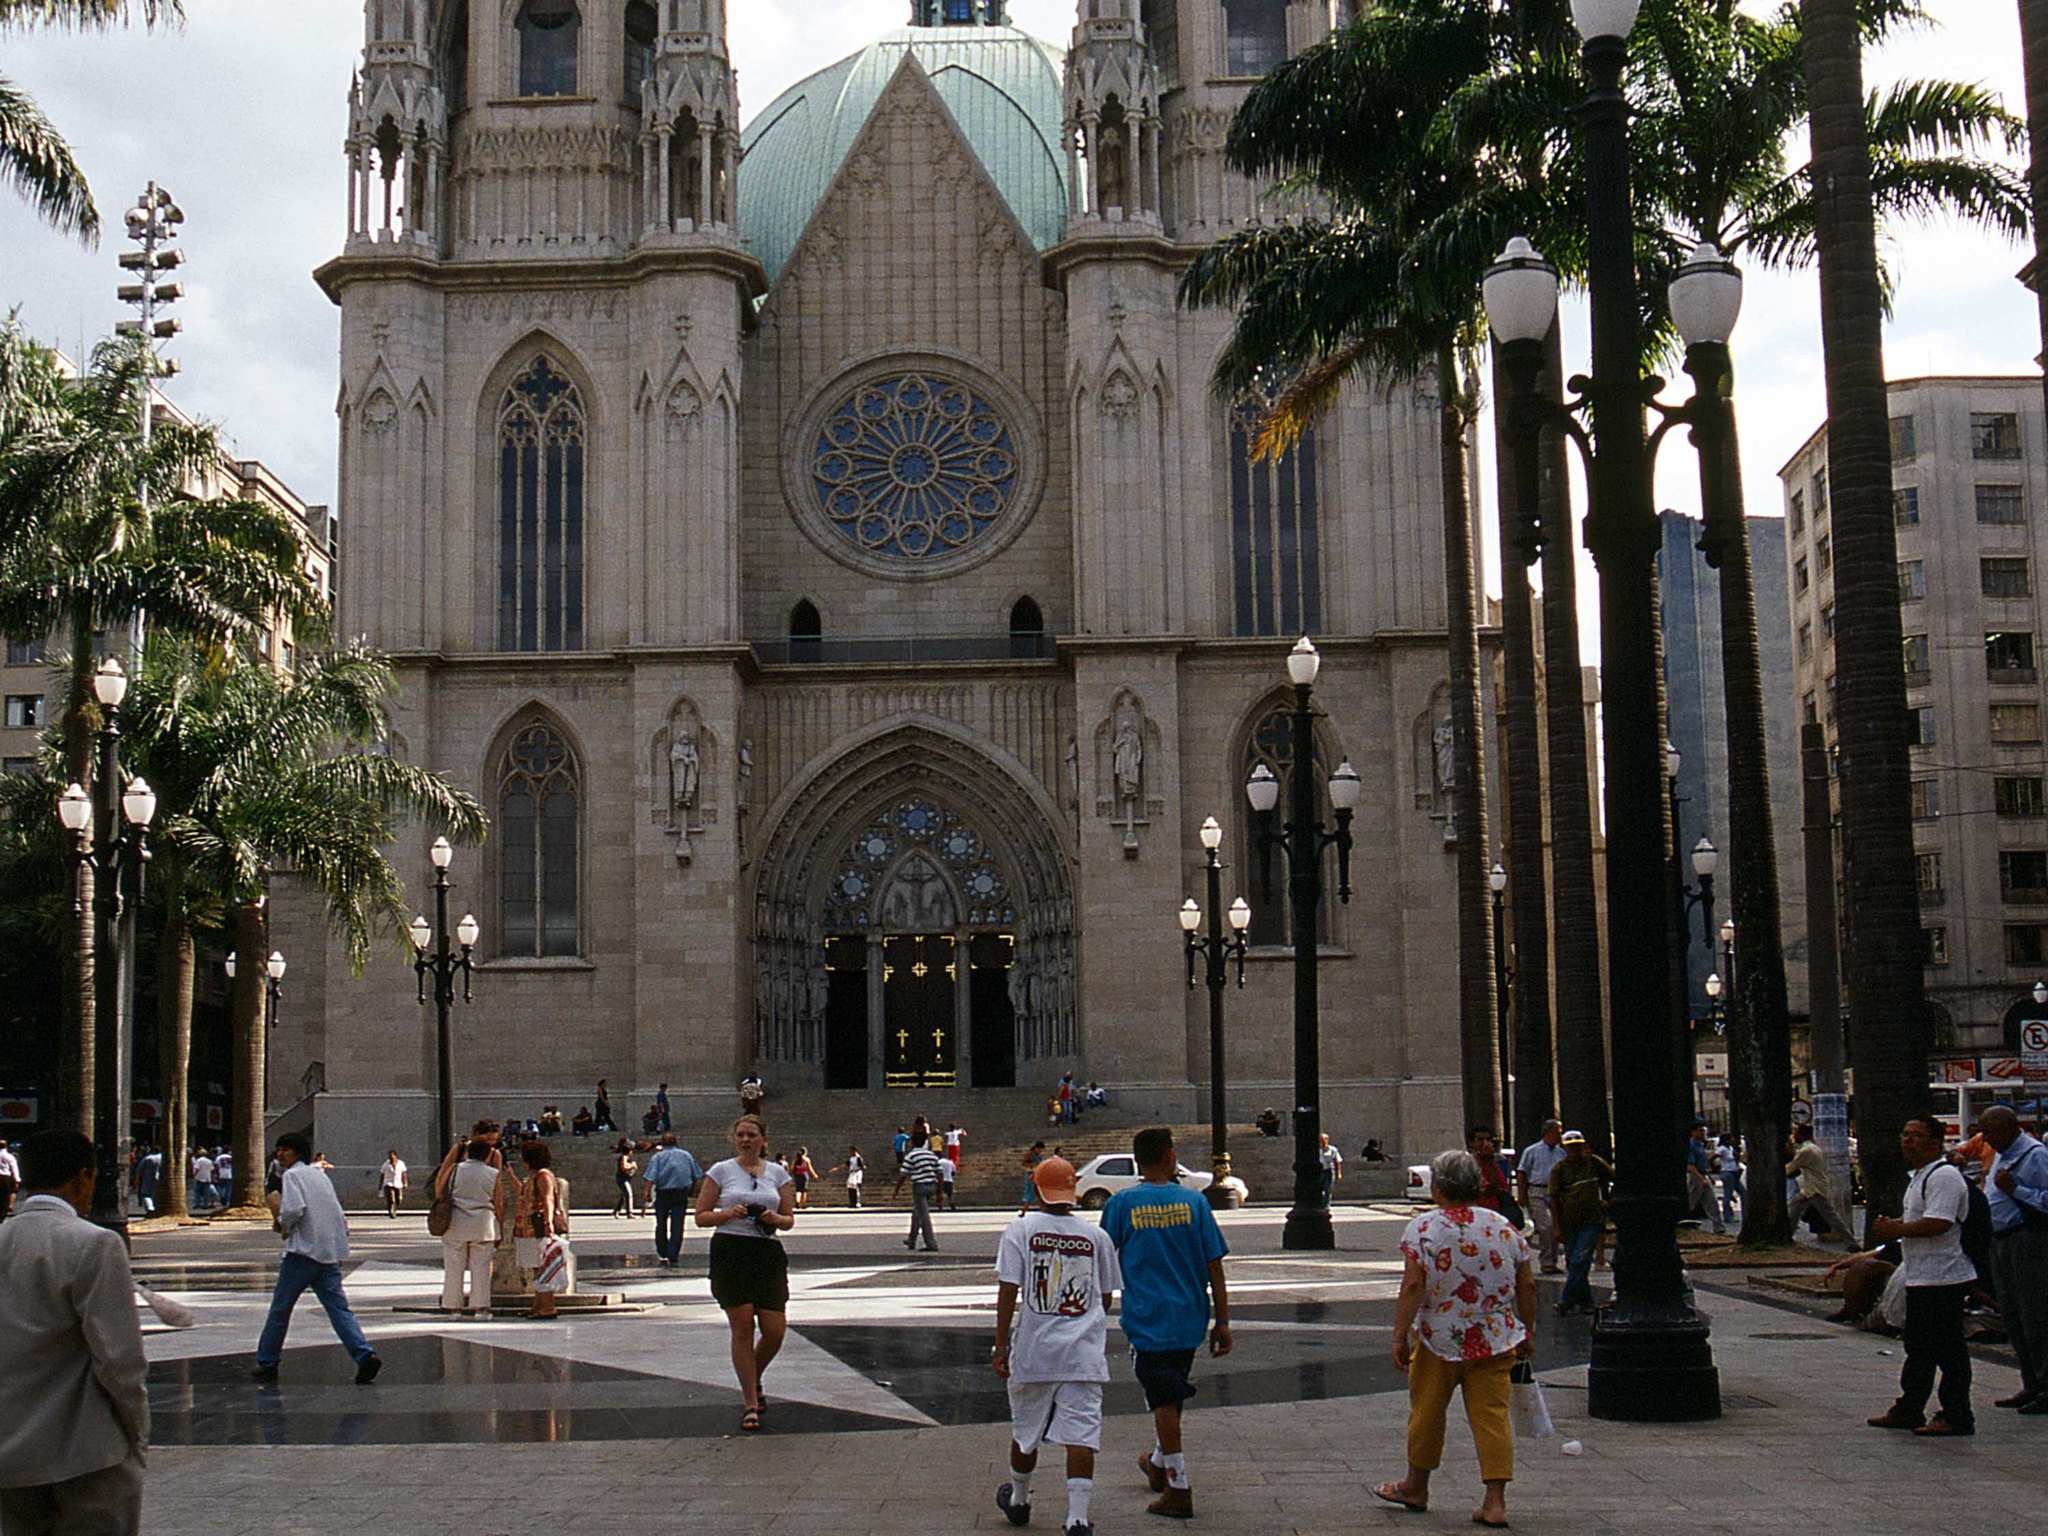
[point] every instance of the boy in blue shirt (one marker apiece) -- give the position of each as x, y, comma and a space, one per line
1171, 1254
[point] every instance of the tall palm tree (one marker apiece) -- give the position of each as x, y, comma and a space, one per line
261, 772
1882, 948
34, 158
2034, 53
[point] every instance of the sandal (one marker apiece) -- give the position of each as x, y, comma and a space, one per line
1392, 1493
750, 1421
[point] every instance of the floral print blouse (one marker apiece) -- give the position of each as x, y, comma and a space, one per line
1469, 1257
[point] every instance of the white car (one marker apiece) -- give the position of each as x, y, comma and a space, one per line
1418, 1183
1103, 1176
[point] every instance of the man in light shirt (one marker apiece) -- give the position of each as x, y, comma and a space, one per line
391, 1179
315, 1244
2017, 1189
1809, 1166
202, 1180
1532, 1171
672, 1175
10, 1180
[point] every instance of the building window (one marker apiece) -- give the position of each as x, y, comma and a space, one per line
288, 654
806, 632
1256, 36
1994, 435
643, 27
24, 653
1906, 506
1937, 945
548, 32
1827, 621
1918, 655
1805, 641
1912, 580
1920, 726
1809, 711
2023, 943
2016, 722
1162, 32
538, 824
1926, 802
1800, 580
2005, 576
1820, 493
1027, 629
1796, 515
1824, 554
2009, 652
1929, 865
1276, 558
1831, 699
1904, 450
541, 439
2001, 505
2021, 796
2023, 874
24, 711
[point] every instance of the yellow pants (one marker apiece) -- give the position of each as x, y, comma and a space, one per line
1431, 1380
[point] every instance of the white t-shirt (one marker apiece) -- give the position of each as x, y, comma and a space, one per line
202, 1170
9, 1168
1939, 1189
737, 1186
954, 1138
856, 1171
1064, 1270
394, 1174
472, 1189
1330, 1158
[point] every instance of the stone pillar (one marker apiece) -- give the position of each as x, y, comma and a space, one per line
1091, 126
1154, 204
878, 1019
663, 159
704, 217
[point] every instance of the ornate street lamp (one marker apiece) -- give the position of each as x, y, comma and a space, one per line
1497, 882
1303, 841
273, 979
443, 965
1216, 948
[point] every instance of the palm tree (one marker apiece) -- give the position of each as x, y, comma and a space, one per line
261, 772
33, 156
2034, 51
1882, 943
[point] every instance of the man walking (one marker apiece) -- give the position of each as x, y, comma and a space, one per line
149, 1173
1578, 1210
10, 1179
391, 1180
1532, 1176
223, 1177
315, 1244
1699, 1178
2018, 1193
1809, 1166
672, 1174
921, 1168
661, 1114
201, 1170
1938, 1277
1171, 1254
72, 1449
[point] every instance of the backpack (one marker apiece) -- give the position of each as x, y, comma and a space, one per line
1977, 1231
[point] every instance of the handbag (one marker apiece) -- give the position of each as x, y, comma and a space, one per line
1527, 1409
440, 1215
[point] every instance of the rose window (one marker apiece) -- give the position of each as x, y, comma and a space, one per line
914, 468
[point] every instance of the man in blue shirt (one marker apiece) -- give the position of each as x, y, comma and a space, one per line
673, 1175
1171, 1253
2017, 1190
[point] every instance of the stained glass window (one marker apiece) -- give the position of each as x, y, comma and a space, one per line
914, 468
541, 441
918, 823
547, 47
538, 829
1275, 544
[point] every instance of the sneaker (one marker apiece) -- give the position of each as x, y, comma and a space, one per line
367, 1369
1175, 1504
1152, 1472
267, 1374
1080, 1528
1016, 1514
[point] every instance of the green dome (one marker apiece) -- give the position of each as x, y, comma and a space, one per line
1002, 87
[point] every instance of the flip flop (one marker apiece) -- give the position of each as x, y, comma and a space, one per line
1497, 1525
1388, 1492
750, 1421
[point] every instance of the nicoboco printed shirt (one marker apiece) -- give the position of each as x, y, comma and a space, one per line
1469, 1258
1063, 1269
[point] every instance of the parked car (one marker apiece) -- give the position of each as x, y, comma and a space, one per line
1101, 1177
1418, 1183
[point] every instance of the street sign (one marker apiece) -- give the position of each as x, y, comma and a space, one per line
1802, 1112
2034, 1051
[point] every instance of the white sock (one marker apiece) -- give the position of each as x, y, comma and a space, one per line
1176, 1469
1078, 1490
1158, 1456
1020, 1487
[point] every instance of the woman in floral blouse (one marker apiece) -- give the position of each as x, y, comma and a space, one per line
1468, 1298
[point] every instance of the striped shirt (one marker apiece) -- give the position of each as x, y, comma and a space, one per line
921, 1167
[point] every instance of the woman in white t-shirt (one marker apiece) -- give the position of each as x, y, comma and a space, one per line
747, 1200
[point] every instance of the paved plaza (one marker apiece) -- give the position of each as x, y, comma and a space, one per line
885, 1418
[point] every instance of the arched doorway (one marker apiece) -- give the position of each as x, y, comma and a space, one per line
914, 921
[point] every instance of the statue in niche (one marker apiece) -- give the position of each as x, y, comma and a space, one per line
1441, 746
821, 989
1074, 774
1123, 743
1127, 752
743, 791
684, 766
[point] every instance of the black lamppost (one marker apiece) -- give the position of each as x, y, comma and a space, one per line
109, 831
1216, 948
1651, 1356
1303, 841
442, 965
1706, 858
273, 983
1497, 882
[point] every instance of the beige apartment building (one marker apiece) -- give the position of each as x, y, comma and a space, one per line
1970, 497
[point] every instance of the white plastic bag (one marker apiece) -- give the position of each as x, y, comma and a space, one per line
1892, 1305
1527, 1410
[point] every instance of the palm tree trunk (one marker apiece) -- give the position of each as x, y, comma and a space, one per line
1581, 1014
76, 962
176, 965
2034, 52
1759, 1029
1479, 1051
1535, 1096
246, 1023
1882, 949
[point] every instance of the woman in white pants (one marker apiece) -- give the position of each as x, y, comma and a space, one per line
472, 1187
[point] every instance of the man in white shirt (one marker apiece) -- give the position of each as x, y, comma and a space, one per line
10, 1180
224, 1177
391, 1179
202, 1181
1533, 1169
315, 1244
72, 1449
1938, 1277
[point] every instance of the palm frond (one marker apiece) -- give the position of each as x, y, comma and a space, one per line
38, 164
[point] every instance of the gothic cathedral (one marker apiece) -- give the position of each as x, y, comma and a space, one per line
810, 530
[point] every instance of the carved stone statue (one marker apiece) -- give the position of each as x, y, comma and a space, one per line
1127, 753
684, 767
746, 783
1074, 771
1446, 760
821, 989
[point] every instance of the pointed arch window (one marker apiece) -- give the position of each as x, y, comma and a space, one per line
549, 31
539, 828
1162, 33
1027, 629
542, 433
1255, 36
1275, 533
643, 26
806, 632
1271, 743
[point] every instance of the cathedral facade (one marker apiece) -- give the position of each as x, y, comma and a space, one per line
811, 532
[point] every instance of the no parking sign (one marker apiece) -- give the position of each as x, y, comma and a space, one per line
2034, 1051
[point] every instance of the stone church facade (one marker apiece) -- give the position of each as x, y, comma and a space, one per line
813, 536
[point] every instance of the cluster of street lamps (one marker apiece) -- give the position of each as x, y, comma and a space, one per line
443, 965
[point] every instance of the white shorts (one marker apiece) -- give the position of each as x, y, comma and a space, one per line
1063, 1412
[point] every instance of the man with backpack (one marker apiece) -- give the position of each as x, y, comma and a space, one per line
2018, 1204
1938, 1277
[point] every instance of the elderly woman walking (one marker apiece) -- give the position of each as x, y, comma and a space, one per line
1468, 1299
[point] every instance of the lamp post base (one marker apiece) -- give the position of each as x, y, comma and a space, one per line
1308, 1228
1652, 1366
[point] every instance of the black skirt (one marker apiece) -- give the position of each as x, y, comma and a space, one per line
749, 1272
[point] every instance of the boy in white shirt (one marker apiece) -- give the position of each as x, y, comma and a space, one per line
1063, 1270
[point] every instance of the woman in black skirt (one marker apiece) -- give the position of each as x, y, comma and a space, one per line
746, 1200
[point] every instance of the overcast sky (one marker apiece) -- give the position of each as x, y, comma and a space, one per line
242, 115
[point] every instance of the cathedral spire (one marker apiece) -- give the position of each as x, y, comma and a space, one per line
959, 13
689, 121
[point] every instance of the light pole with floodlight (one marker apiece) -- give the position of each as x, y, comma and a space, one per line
443, 965
1216, 948
1304, 841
